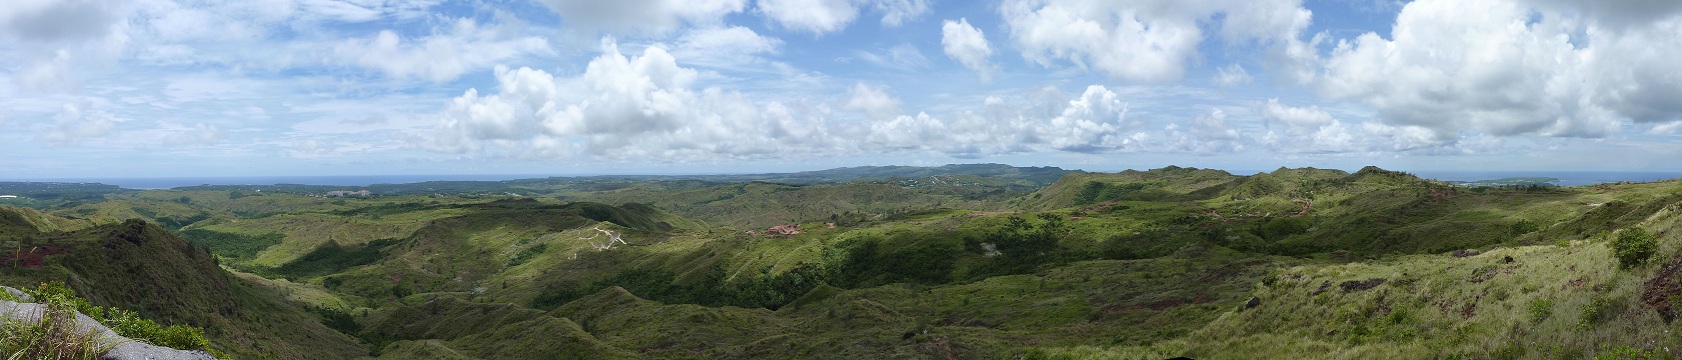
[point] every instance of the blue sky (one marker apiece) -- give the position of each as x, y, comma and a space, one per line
184, 88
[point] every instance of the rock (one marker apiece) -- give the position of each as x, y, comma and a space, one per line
123, 348
1254, 301
1507, 259
133, 350
15, 292
1354, 285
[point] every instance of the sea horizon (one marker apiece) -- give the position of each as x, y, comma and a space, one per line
1565, 178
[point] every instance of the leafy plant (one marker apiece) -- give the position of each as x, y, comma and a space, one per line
124, 322
1540, 309
1592, 312
1523, 227
1634, 246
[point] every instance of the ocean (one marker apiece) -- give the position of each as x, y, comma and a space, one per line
1566, 178
361, 180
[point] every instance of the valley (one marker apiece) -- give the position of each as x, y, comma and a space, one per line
953, 262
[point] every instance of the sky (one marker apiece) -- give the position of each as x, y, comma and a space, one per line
191, 88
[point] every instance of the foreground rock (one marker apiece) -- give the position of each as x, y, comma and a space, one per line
125, 348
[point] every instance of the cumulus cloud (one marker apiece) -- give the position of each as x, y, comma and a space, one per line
641, 16
1147, 41
439, 57
1090, 123
873, 101
73, 125
638, 107
1506, 68
1295, 130
1208, 133
814, 16
968, 45
920, 132
1295, 117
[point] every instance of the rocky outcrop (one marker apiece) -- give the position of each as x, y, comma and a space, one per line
124, 348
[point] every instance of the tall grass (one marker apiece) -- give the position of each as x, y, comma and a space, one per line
51, 335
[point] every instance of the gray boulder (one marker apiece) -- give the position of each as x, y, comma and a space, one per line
124, 348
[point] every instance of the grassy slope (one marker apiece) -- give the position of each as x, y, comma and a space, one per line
139, 266
1549, 301
1177, 289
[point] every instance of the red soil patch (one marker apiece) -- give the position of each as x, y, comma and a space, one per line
33, 257
1663, 290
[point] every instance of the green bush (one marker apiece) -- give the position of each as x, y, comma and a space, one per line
1592, 312
124, 322
181, 337
1540, 309
1523, 227
1634, 246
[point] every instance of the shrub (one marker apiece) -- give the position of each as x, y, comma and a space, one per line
1540, 309
1633, 247
54, 335
1523, 227
1591, 313
123, 322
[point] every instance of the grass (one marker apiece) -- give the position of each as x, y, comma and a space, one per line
1150, 264
53, 334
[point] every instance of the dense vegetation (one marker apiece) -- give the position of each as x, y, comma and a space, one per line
951, 262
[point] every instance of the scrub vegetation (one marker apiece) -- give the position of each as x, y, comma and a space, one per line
927, 263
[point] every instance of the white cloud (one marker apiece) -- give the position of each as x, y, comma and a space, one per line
736, 48
968, 45
1147, 41
1674, 127
921, 132
897, 12
873, 101
439, 57
814, 16
1407, 137
1208, 133
642, 107
735, 39
50, 74
199, 134
1092, 122
1305, 130
1232, 75
641, 16
1507, 68
72, 125
1296, 117
902, 57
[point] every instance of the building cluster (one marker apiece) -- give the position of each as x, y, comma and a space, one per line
338, 193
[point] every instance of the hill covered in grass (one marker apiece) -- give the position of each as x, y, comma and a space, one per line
1139, 264
138, 266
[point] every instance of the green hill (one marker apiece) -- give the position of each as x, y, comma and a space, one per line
1138, 264
141, 267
